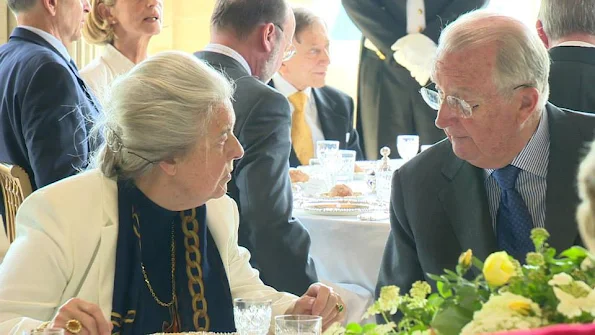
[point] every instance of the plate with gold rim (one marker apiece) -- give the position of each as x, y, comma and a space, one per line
337, 208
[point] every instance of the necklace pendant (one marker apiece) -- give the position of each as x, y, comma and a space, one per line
176, 323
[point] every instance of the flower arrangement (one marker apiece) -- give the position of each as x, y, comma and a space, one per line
547, 289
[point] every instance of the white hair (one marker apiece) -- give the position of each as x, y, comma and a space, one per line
522, 59
561, 18
157, 111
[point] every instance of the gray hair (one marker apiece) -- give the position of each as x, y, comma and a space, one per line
522, 59
561, 18
304, 19
17, 6
157, 111
243, 16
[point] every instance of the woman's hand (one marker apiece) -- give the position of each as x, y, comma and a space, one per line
89, 315
321, 300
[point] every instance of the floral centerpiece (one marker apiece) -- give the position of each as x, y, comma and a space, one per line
549, 288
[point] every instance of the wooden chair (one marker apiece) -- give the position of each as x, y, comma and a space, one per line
16, 186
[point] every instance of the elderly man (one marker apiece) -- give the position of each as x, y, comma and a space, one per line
567, 29
319, 112
399, 38
46, 109
508, 163
249, 40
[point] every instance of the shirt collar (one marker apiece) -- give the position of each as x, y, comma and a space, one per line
225, 50
535, 155
116, 60
51, 39
575, 44
286, 88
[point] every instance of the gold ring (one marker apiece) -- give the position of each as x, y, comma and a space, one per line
339, 307
74, 326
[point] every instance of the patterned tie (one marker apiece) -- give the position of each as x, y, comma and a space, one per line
301, 135
513, 221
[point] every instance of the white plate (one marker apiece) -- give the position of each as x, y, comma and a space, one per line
343, 208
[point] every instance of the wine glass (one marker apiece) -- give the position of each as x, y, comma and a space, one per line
252, 316
298, 325
408, 146
328, 154
46, 331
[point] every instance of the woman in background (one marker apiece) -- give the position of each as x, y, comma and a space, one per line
148, 239
125, 28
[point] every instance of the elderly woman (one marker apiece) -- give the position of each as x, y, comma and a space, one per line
148, 239
125, 28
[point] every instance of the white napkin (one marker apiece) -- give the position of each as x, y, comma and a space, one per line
415, 53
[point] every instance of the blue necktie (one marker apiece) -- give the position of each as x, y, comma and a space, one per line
513, 221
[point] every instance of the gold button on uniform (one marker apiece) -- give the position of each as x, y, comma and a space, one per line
420, 11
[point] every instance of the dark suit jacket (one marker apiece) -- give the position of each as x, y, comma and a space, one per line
335, 112
260, 183
45, 110
439, 205
572, 77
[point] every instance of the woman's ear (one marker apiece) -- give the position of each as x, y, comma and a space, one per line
106, 13
169, 166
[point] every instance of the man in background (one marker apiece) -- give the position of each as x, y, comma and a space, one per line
46, 110
567, 28
319, 112
249, 40
399, 40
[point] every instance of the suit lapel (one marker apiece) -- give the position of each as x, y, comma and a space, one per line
465, 202
330, 121
561, 194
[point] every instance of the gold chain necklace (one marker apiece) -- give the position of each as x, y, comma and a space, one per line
173, 266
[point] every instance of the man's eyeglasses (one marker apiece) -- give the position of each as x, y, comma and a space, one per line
435, 99
290, 50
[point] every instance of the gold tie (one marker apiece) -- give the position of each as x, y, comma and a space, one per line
301, 135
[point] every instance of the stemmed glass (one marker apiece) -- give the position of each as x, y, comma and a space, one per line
47, 331
408, 146
252, 316
328, 154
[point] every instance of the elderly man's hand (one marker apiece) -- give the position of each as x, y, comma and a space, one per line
321, 300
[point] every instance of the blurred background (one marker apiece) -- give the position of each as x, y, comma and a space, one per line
186, 28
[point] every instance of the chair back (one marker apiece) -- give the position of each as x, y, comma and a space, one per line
16, 186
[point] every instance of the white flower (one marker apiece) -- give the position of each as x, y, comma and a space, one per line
573, 305
560, 279
505, 312
587, 263
385, 328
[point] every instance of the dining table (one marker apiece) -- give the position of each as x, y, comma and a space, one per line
347, 248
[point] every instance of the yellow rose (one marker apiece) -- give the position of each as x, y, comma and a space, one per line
465, 258
498, 268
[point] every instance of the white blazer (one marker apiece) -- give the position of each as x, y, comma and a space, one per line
66, 247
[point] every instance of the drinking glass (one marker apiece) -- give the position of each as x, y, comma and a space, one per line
346, 166
252, 316
298, 325
408, 146
327, 153
47, 331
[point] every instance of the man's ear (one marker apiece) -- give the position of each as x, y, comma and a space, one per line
528, 103
50, 6
542, 36
268, 36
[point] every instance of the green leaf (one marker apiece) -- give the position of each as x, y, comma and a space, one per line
444, 289
575, 253
354, 328
368, 328
451, 320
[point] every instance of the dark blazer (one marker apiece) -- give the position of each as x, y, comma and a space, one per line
335, 112
46, 110
389, 103
439, 205
572, 78
260, 183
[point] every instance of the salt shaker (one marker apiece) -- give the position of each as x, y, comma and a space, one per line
384, 175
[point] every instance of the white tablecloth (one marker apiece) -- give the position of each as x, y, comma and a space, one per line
347, 253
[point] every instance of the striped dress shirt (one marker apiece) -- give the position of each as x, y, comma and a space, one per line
532, 180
